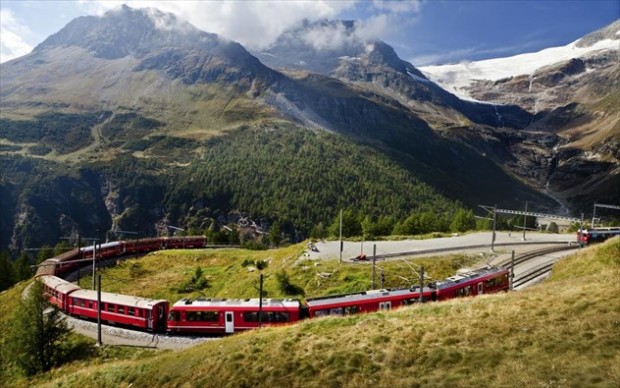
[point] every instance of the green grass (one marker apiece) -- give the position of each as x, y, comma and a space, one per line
161, 274
562, 333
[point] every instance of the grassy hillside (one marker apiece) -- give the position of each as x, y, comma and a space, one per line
560, 333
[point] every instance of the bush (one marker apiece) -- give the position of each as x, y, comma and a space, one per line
285, 285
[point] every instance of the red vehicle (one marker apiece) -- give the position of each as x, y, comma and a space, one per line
483, 281
71, 260
587, 236
366, 302
57, 290
142, 313
219, 316
184, 242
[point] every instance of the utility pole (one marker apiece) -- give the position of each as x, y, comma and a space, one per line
94, 263
99, 343
580, 231
260, 302
374, 262
381, 278
421, 284
494, 224
341, 235
524, 221
512, 270
593, 214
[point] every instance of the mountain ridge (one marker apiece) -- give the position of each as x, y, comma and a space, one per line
83, 105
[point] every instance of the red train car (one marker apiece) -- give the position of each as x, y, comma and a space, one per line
57, 290
184, 242
219, 316
104, 251
587, 236
478, 282
366, 302
143, 313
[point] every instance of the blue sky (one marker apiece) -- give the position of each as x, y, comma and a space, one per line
422, 32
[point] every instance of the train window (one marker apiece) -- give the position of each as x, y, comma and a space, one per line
250, 316
269, 316
111, 308
121, 309
279, 317
91, 305
203, 316
131, 311
174, 316
351, 310
321, 313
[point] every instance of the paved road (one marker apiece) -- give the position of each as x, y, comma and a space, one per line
329, 250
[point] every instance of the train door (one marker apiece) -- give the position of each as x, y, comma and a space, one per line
161, 318
230, 321
385, 306
149, 319
480, 289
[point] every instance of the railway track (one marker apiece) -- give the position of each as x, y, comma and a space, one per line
522, 258
537, 271
532, 274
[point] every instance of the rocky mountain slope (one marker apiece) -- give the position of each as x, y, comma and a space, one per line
137, 118
572, 145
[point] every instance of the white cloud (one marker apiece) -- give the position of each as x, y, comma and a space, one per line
398, 6
12, 44
255, 24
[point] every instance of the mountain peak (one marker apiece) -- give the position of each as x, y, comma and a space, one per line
123, 31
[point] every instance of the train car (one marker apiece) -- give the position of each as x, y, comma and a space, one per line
104, 251
184, 242
227, 316
143, 245
60, 264
57, 290
587, 236
478, 282
142, 313
366, 302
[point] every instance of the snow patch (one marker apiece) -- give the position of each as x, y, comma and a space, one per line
457, 77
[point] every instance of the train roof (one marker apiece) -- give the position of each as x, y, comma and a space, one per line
218, 302
601, 229
58, 284
125, 300
366, 295
465, 277
102, 246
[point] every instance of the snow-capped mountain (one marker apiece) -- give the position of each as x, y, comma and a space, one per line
458, 78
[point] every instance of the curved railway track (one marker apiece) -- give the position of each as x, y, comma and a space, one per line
118, 336
536, 272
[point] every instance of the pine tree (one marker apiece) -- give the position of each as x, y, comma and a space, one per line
21, 268
37, 333
6, 271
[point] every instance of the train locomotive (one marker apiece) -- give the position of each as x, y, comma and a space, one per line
227, 316
588, 236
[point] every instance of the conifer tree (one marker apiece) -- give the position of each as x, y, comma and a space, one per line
37, 333
6, 271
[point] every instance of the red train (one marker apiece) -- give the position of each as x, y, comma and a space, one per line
141, 313
72, 259
586, 236
221, 316
218, 316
